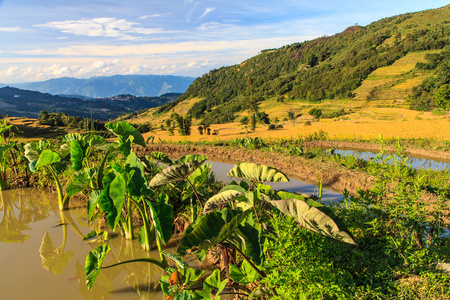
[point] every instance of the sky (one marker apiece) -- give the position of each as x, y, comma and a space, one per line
46, 39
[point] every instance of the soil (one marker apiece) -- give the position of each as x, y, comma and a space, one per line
335, 176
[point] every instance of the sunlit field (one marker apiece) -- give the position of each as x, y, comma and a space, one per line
366, 121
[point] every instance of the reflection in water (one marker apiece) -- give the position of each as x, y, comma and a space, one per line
10, 227
33, 267
55, 259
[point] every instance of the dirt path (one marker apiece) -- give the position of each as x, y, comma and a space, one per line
335, 177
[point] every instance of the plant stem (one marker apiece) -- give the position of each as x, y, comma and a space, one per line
195, 192
145, 219
261, 274
63, 202
130, 220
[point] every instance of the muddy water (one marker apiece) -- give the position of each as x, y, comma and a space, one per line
42, 254
220, 170
415, 162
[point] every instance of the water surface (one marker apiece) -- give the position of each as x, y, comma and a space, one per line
42, 254
415, 162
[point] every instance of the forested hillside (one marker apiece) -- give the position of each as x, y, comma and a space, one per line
330, 67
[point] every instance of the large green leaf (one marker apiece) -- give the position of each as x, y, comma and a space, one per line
124, 145
162, 216
256, 172
244, 275
124, 129
76, 155
233, 187
94, 197
174, 173
31, 152
220, 199
47, 157
67, 142
249, 233
73, 136
212, 229
191, 157
98, 142
162, 157
316, 219
197, 178
177, 259
117, 190
5, 148
309, 199
78, 184
137, 181
94, 262
213, 282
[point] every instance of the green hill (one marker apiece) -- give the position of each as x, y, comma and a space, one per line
335, 67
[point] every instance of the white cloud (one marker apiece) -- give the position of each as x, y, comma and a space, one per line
10, 29
191, 64
146, 50
149, 16
207, 11
189, 14
105, 27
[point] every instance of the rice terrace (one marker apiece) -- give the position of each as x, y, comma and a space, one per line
292, 174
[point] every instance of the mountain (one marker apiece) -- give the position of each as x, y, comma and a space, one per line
138, 85
23, 103
334, 67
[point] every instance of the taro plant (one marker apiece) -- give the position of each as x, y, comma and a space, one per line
46, 158
127, 186
231, 221
5, 151
235, 230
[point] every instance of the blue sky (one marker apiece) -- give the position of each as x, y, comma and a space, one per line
45, 39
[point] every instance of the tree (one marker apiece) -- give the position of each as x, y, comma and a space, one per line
442, 97
316, 112
291, 116
183, 124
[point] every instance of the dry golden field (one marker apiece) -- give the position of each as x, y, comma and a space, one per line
367, 121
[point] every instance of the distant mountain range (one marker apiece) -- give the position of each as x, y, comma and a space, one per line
23, 103
100, 87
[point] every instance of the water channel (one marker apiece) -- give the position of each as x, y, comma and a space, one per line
415, 162
42, 251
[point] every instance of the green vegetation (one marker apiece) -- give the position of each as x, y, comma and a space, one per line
434, 91
389, 242
330, 67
